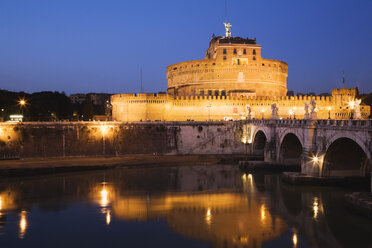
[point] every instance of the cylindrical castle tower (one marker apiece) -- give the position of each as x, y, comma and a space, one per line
233, 66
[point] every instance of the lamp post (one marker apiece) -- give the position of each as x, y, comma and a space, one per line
294, 113
290, 113
262, 113
22, 103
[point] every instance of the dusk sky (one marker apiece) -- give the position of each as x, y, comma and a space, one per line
81, 46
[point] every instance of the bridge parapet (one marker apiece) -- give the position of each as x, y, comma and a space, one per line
323, 123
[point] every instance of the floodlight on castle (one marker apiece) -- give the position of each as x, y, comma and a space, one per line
233, 81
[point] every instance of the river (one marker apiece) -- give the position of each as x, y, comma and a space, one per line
197, 206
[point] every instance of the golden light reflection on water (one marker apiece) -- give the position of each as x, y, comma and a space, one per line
315, 207
263, 214
104, 194
216, 217
108, 217
208, 217
248, 183
294, 240
104, 198
22, 224
7, 200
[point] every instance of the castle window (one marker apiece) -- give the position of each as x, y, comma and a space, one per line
209, 92
224, 51
234, 50
223, 93
263, 64
224, 57
202, 92
216, 92
254, 51
254, 58
214, 64
244, 51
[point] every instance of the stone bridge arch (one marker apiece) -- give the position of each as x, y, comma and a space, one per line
259, 140
346, 155
290, 148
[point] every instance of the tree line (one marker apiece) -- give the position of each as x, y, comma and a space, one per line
47, 106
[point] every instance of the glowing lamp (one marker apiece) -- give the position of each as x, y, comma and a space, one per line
315, 159
352, 104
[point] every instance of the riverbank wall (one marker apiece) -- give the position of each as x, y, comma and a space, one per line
70, 139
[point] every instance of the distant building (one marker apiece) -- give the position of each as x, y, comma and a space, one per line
96, 98
77, 98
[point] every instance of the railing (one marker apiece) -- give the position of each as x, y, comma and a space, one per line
329, 123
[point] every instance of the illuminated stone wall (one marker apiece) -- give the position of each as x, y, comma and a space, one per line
112, 138
163, 107
234, 67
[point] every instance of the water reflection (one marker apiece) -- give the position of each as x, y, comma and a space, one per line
294, 239
216, 204
22, 224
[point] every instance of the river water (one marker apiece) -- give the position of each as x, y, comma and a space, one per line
198, 206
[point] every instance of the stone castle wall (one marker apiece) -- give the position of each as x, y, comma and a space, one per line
64, 139
163, 107
260, 77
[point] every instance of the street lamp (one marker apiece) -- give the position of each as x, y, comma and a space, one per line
22, 103
262, 113
294, 113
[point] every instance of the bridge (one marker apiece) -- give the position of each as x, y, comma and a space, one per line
325, 148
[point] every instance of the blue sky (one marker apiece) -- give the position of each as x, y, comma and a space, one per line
100, 45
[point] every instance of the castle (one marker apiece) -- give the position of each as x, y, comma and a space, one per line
233, 82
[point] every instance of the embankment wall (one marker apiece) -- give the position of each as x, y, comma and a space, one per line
64, 139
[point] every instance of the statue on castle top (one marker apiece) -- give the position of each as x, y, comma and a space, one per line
313, 111
356, 114
274, 111
227, 29
249, 110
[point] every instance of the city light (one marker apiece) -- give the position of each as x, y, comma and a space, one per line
352, 104
22, 224
103, 129
1, 203
22, 102
315, 159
